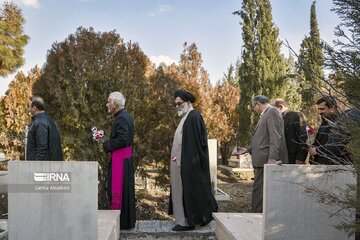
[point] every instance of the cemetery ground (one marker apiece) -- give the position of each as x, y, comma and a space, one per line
152, 204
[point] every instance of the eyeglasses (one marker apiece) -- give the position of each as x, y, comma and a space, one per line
178, 104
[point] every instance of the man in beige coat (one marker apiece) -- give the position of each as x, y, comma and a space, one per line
268, 146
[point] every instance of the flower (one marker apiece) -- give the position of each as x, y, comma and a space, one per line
309, 133
309, 130
98, 135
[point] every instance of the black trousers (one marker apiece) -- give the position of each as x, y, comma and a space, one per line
128, 211
257, 191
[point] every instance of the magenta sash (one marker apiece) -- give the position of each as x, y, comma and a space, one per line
117, 175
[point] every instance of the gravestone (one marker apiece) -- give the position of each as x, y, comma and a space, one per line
218, 193
300, 201
212, 145
245, 161
52, 200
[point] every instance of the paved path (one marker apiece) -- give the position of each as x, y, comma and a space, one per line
161, 230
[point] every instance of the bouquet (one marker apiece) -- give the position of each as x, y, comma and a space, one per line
98, 135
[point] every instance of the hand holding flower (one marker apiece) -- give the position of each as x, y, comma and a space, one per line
98, 135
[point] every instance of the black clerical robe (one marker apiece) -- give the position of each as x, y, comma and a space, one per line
198, 200
122, 137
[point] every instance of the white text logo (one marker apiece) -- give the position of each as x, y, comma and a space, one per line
52, 177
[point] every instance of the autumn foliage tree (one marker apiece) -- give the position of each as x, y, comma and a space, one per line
225, 96
15, 114
161, 121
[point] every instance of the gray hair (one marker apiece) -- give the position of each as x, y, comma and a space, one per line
37, 102
279, 101
260, 99
118, 98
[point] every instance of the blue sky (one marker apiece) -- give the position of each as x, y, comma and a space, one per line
162, 26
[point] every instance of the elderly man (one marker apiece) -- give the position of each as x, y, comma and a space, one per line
295, 132
43, 141
121, 187
191, 198
267, 146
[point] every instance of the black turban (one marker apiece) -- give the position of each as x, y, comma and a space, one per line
185, 96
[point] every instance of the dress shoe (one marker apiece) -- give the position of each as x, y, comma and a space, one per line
182, 228
207, 222
126, 227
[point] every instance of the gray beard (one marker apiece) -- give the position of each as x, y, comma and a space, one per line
183, 111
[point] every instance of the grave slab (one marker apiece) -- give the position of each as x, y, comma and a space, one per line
52, 200
299, 201
239, 226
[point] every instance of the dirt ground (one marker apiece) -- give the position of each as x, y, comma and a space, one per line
153, 204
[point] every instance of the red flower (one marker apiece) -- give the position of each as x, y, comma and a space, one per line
97, 134
310, 130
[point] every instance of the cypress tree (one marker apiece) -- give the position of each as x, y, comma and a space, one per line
263, 69
247, 78
311, 62
12, 39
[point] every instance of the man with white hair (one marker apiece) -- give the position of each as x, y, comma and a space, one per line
121, 181
191, 200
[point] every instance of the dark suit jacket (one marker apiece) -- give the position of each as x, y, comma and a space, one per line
322, 138
295, 135
43, 143
268, 140
333, 151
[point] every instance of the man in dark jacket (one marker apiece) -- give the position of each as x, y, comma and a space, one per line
191, 198
295, 133
329, 145
43, 140
333, 151
121, 179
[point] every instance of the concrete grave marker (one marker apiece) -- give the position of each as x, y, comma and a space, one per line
298, 203
52, 200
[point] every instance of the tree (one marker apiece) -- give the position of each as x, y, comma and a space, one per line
263, 69
292, 95
79, 74
247, 80
225, 98
161, 120
311, 63
12, 39
213, 104
343, 59
194, 77
232, 74
15, 114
